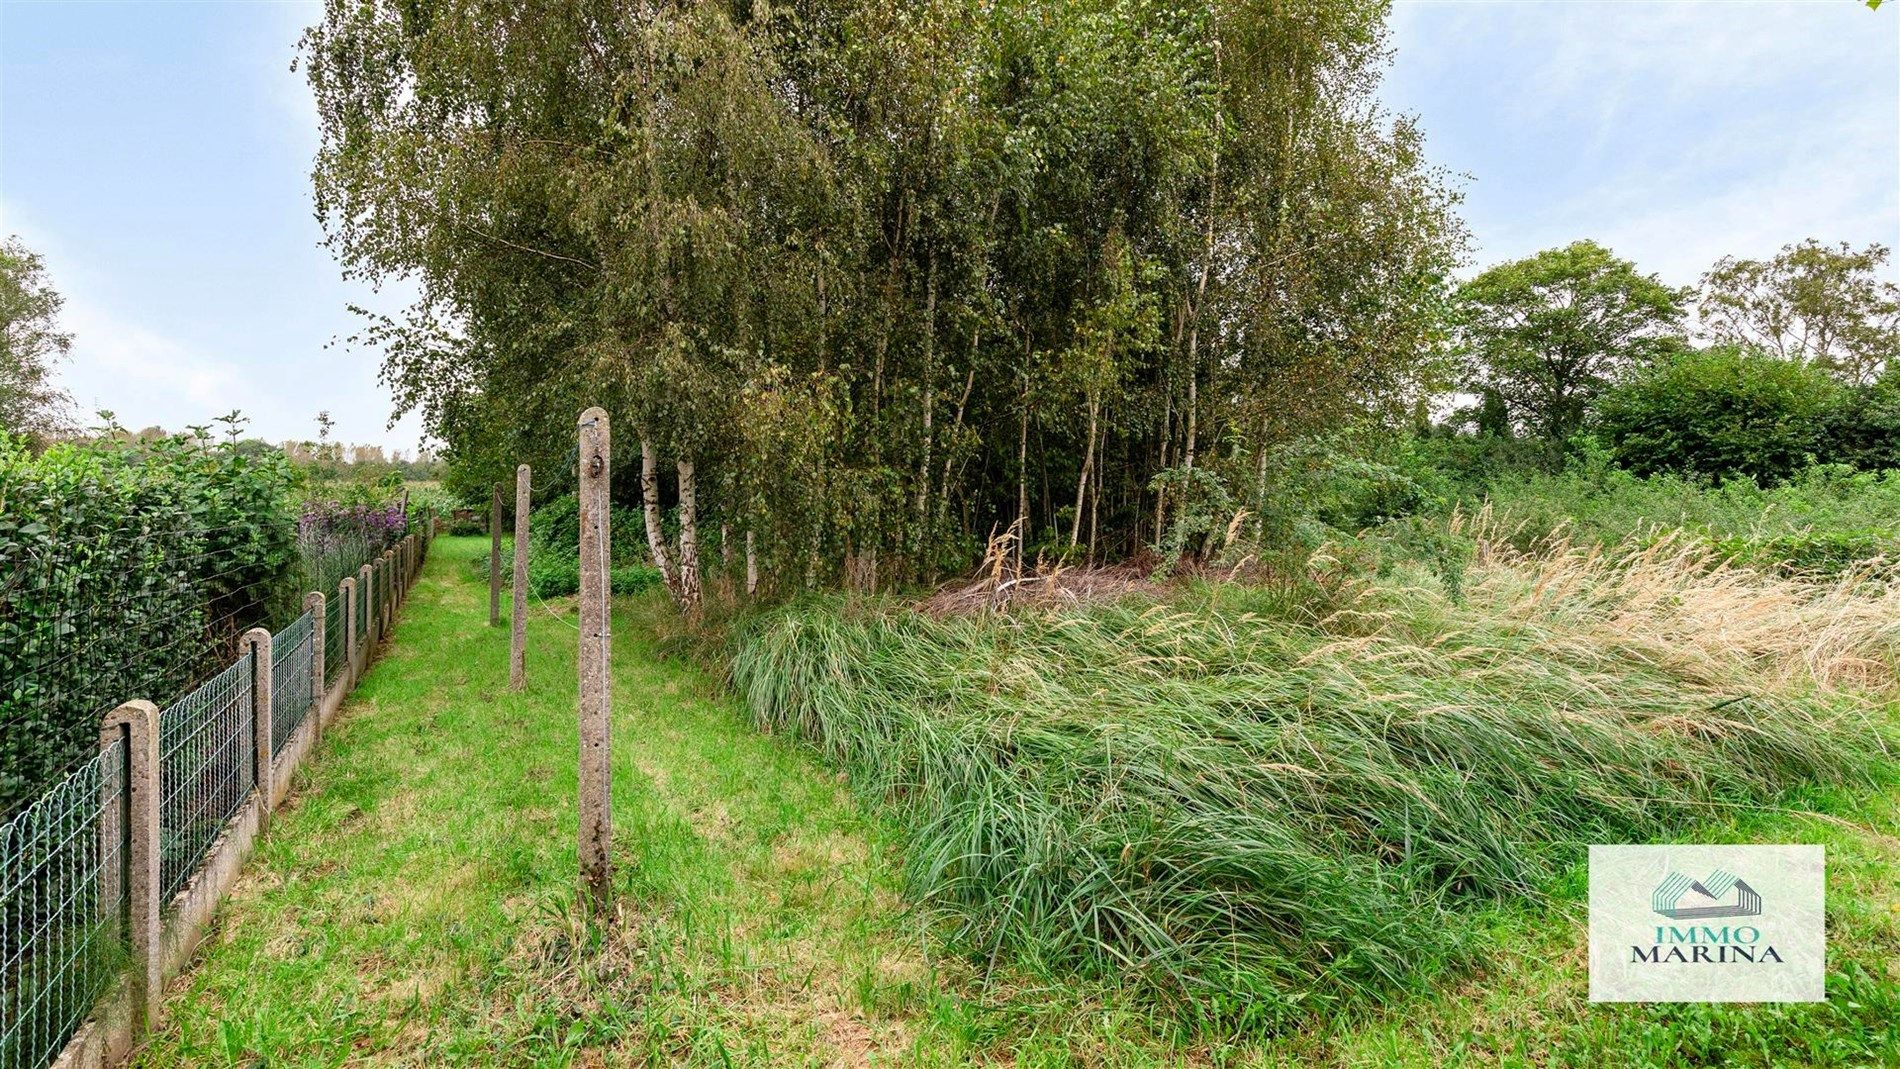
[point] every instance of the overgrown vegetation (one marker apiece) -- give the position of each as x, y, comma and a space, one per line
1272, 805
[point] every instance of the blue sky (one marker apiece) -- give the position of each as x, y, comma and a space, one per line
157, 154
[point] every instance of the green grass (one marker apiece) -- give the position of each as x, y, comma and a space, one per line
1262, 819
1825, 508
413, 905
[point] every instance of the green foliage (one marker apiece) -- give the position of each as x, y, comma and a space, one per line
125, 572
1261, 817
818, 250
556, 526
1864, 429
1598, 502
30, 343
1822, 305
1549, 333
1721, 412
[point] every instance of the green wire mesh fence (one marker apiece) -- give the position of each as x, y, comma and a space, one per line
335, 642
207, 759
291, 690
61, 907
63, 938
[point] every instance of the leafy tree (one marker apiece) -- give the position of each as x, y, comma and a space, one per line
30, 343
1721, 412
866, 280
1814, 303
1549, 333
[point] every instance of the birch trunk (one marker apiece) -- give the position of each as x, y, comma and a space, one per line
921, 513
656, 535
1082, 481
1022, 468
689, 537
751, 564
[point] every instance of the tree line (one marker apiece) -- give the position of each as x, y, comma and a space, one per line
1764, 367
869, 282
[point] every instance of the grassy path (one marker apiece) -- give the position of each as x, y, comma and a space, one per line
412, 903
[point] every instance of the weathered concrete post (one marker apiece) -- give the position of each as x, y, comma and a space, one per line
596, 695
366, 591
131, 819
518, 641
346, 590
494, 559
313, 603
387, 596
257, 642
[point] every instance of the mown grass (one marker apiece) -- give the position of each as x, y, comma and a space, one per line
412, 905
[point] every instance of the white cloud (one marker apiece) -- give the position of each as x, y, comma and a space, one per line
140, 374
1675, 132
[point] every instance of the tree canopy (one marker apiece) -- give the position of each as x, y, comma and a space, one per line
879, 278
1813, 303
31, 342
1549, 333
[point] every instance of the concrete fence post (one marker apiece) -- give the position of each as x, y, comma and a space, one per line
346, 591
365, 590
518, 641
389, 595
314, 604
132, 818
257, 642
596, 695
494, 559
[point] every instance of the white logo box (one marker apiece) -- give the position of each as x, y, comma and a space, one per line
1692, 923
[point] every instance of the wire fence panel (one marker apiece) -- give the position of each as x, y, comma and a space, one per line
334, 640
207, 758
290, 691
62, 933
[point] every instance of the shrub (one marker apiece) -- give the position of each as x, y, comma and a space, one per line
154, 555
1721, 412
1864, 430
553, 573
557, 524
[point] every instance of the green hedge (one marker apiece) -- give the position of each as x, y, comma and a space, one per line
126, 571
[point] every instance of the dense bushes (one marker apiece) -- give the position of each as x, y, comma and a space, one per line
1721, 412
554, 563
125, 571
1808, 518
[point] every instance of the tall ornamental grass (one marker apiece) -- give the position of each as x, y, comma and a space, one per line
1257, 815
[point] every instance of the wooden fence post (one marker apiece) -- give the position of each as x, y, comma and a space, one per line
596, 693
257, 642
133, 815
494, 559
313, 603
518, 641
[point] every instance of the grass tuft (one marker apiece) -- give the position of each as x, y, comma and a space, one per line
1261, 816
